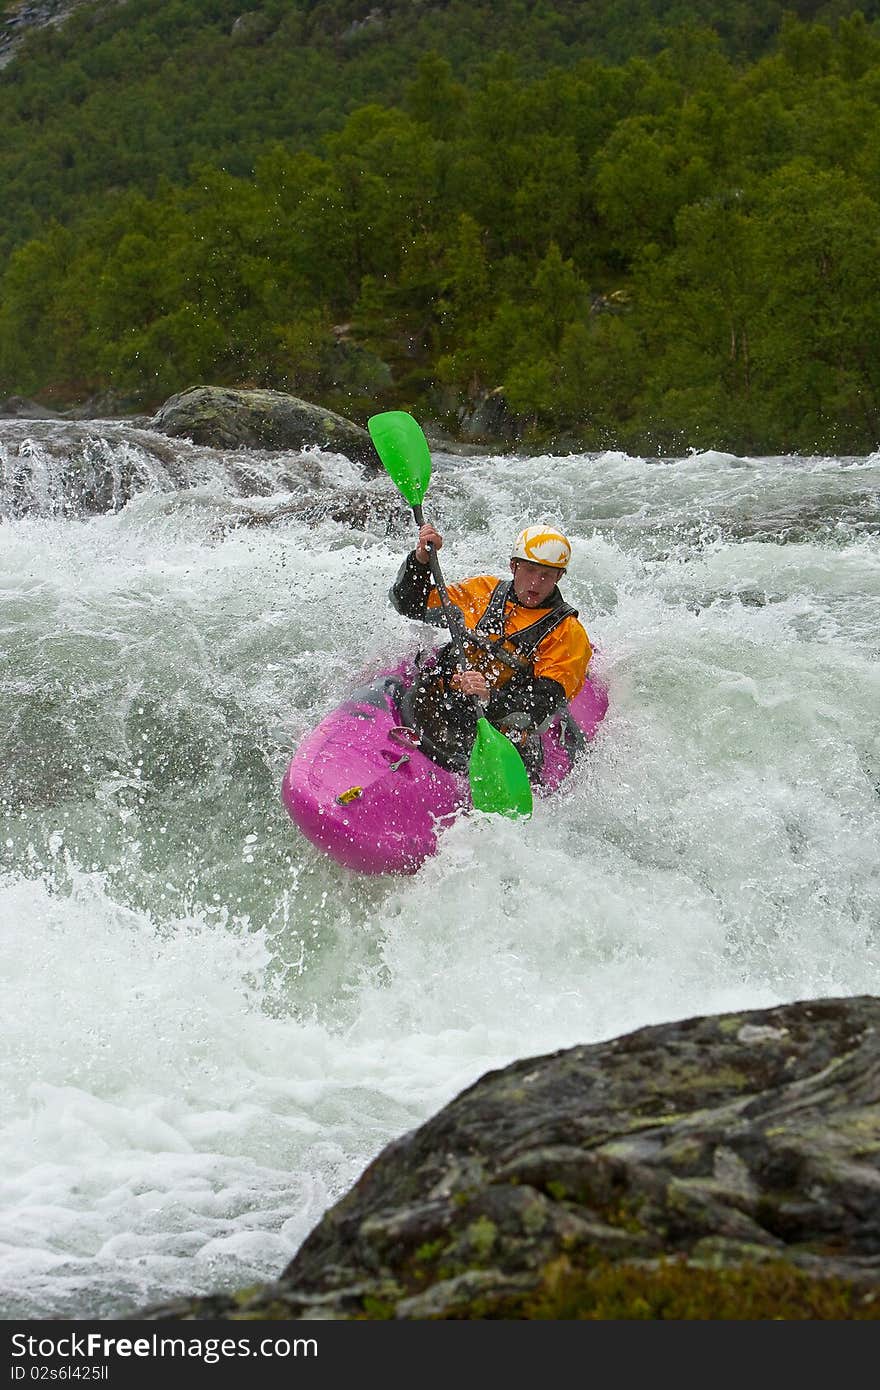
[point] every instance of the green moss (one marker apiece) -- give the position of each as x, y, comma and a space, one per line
685, 1154
596, 1289
621, 1212
624, 1216
377, 1309
269, 1312
771, 1290
481, 1236
429, 1251
534, 1218
730, 1024
726, 1078
245, 1295
638, 1123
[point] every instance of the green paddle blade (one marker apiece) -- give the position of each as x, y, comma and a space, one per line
404, 451
497, 773
498, 778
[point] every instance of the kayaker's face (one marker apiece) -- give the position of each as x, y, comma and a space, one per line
533, 584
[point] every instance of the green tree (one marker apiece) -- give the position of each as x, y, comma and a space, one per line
29, 292
696, 309
643, 178
819, 253
434, 98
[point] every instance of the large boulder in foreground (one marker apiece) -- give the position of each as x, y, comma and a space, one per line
718, 1167
227, 417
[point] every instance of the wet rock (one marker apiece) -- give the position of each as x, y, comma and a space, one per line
489, 418
21, 408
61, 468
252, 27
82, 468
107, 405
359, 511
720, 1150
372, 23
231, 418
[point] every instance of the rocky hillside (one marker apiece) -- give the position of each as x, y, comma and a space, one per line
24, 16
711, 1168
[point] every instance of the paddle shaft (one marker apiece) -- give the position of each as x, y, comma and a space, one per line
453, 618
499, 782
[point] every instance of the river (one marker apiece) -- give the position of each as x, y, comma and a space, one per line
210, 1028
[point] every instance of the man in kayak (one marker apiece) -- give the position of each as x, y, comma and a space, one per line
527, 652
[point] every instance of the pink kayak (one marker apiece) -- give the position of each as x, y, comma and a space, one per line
360, 788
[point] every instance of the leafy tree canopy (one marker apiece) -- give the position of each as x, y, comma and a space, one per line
655, 243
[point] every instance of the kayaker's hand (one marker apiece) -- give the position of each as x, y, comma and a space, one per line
427, 534
471, 683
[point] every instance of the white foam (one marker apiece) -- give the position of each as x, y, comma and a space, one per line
210, 1027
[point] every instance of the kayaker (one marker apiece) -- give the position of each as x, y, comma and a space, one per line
527, 651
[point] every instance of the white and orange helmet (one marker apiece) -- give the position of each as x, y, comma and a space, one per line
542, 545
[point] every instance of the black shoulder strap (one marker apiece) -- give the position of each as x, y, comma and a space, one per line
493, 615
528, 639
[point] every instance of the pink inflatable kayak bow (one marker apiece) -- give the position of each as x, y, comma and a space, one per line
360, 788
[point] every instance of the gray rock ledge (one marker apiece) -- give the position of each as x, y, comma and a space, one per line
227, 417
712, 1147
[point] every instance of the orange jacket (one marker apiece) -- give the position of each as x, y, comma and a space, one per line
563, 655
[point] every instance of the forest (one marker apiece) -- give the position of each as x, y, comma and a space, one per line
647, 227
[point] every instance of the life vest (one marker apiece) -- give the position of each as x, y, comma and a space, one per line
499, 655
526, 640
492, 649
